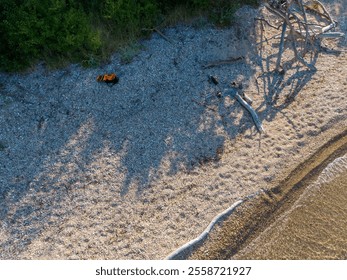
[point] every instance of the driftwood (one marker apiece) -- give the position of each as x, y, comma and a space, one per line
242, 98
155, 29
303, 24
223, 62
233, 92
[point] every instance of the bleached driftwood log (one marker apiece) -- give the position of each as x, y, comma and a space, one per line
233, 92
244, 100
303, 23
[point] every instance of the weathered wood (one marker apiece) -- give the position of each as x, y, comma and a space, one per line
251, 111
301, 29
237, 96
155, 29
278, 13
268, 23
303, 13
223, 62
328, 27
314, 5
243, 99
281, 47
331, 35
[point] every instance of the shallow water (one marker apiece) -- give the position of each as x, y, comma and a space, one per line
315, 227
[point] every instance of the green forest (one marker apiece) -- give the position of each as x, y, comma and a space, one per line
87, 32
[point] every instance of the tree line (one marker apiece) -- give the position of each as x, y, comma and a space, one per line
85, 31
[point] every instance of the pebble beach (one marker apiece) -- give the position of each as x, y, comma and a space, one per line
136, 170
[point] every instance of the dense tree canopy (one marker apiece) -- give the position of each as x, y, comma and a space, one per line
33, 30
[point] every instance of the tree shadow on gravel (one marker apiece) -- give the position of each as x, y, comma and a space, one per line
72, 143
280, 88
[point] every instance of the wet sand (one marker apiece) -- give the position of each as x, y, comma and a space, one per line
304, 217
136, 170
315, 227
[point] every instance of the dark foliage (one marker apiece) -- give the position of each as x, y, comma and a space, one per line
32, 30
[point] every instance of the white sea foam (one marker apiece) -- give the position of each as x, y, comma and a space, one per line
333, 170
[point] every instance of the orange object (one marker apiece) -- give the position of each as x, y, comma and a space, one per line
108, 78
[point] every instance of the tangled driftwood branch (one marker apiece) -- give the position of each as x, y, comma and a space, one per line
243, 102
234, 91
303, 24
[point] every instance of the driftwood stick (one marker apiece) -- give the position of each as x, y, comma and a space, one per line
222, 62
256, 120
160, 33
292, 36
314, 5
328, 27
300, 28
251, 111
277, 36
268, 23
297, 55
233, 93
305, 25
274, 11
331, 35
284, 27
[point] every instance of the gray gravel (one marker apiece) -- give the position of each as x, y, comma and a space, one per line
65, 116
136, 170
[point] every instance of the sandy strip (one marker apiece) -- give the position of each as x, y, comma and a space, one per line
314, 227
254, 219
137, 170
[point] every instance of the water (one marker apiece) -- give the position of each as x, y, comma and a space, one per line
315, 227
